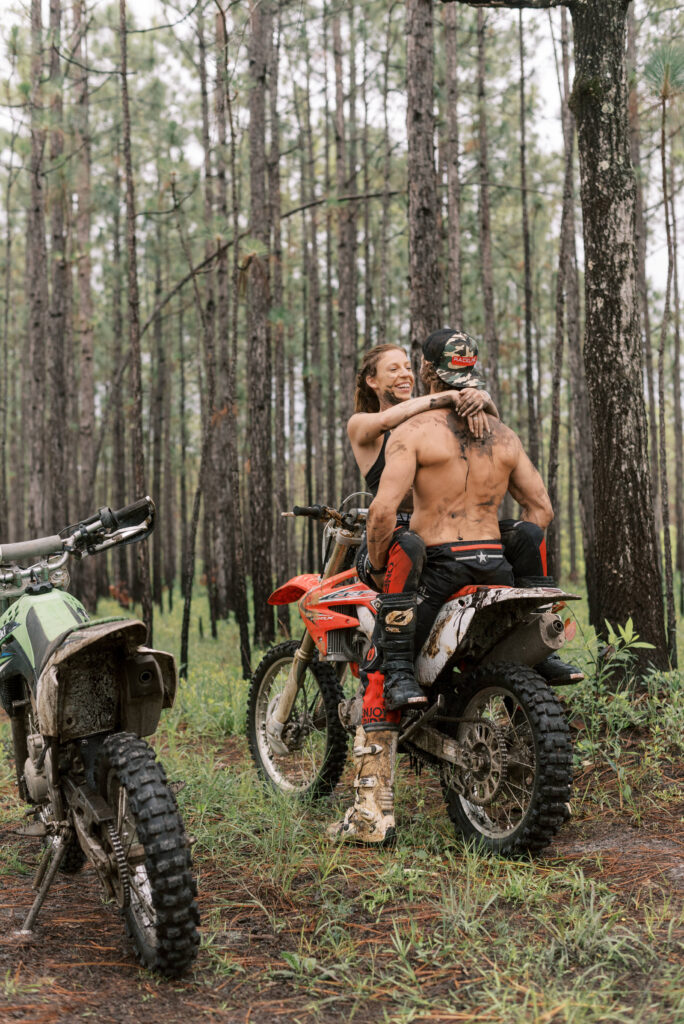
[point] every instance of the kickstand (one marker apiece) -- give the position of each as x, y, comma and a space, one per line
45, 873
430, 713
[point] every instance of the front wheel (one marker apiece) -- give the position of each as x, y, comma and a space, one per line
516, 731
314, 734
151, 871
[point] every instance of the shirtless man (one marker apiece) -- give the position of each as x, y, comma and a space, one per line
458, 482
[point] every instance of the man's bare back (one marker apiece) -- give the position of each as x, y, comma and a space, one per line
458, 481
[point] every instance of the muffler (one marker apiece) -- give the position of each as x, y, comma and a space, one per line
531, 641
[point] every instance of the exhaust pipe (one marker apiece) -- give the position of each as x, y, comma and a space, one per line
531, 641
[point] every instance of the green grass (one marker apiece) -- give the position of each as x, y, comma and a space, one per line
434, 929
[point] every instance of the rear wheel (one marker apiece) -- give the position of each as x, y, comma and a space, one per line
151, 871
515, 727
314, 734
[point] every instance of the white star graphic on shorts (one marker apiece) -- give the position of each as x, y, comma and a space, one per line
481, 557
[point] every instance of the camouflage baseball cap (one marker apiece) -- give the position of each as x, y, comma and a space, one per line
454, 357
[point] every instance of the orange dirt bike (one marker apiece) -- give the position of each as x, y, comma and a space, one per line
493, 730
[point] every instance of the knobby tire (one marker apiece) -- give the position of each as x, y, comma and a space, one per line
169, 940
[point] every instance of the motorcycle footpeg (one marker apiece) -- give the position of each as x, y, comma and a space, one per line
36, 830
436, 709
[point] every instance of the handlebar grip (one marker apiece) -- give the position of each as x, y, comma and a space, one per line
133, 515
31, 549
312, 511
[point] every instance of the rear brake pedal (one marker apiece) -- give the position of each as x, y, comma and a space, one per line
424, 718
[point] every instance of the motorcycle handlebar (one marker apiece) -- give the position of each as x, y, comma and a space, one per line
312, 511
132, 515
37, 548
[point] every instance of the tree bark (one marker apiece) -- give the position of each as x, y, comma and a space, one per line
278, 326
258, 298
331, 423
346, 266
228, 358
36, 284
641, 239
424, 278
664, 485
84, 309
57, 411
455, 286
677, 395
491, 340
532, 431
579, 399
134, 326
627, 577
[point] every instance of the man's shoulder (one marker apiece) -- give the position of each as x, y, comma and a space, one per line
417, 425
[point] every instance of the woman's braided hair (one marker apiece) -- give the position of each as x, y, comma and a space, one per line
365, 399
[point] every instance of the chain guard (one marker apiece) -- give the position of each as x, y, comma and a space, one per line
123, 891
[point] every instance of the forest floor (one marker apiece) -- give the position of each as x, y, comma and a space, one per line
433, 930
606, 900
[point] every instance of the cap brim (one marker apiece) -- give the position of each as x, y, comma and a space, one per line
459, 379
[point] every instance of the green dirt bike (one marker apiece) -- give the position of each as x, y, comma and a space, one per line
80, 694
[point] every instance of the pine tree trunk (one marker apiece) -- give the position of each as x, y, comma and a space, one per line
84, 315
491, 341
36, 285
346, 266
383, 324
641, 239
219, 566
579, 403
532, 432
134, 327
121, 574
424, 278
664, 485
5, 395
258, 340
677, 395
312, 315
157, 421
239, 552
278, 327
57, 411
331, 424
455, 286
627, 577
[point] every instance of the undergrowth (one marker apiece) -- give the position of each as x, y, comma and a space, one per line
434, 929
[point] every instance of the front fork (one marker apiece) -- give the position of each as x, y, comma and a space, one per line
275, 721
278, 716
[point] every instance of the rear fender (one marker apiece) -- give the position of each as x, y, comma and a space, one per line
475, 619
101, 678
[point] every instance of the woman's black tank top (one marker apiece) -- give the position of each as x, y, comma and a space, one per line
375, 472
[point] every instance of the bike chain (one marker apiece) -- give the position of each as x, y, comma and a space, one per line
122, 866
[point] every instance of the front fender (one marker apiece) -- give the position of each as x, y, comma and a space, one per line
294, 588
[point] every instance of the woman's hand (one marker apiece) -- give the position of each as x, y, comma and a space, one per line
471, 401
478, 424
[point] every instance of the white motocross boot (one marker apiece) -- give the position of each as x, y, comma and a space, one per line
370, 819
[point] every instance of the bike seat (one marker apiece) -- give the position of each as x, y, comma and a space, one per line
472, 588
